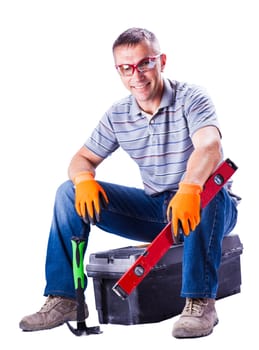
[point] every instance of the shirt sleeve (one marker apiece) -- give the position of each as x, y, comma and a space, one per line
103, 141
199, 110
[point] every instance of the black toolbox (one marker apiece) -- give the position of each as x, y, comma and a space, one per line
157, 297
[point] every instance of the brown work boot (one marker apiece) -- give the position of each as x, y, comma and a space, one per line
198, 318
55, 312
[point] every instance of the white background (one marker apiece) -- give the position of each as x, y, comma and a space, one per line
56, 80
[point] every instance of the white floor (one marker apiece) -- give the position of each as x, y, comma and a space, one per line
22, 295
57, 80
232, 331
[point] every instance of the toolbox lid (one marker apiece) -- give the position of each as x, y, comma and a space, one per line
120, 260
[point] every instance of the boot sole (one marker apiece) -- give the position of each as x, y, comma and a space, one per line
183, 333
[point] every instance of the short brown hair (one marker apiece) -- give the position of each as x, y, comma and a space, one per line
134, 36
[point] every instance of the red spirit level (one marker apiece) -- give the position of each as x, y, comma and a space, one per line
156, 249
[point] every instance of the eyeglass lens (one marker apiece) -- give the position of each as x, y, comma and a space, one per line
144, 65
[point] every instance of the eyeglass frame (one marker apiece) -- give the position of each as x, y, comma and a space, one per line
135, 66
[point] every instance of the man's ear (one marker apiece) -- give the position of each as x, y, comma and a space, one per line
163, 61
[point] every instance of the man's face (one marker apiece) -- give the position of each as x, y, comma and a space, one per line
142, 77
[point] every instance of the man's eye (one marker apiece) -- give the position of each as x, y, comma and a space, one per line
144, 63
126, 67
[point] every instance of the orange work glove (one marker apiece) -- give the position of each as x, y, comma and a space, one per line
184, 208
90, 197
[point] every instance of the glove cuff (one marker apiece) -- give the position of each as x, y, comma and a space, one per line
82, 176
190, 188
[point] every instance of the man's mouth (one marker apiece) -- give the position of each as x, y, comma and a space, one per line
139, 87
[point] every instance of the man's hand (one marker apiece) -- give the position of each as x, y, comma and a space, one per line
184, 208
90, 197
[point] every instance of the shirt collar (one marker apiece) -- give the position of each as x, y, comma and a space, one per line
167, 98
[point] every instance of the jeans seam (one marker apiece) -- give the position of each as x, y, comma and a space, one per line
208, 292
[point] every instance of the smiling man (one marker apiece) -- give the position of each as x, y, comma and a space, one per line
170, 129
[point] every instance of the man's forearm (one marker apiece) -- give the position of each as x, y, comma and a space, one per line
200, 166
78, 165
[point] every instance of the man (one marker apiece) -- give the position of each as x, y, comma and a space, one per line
171, 131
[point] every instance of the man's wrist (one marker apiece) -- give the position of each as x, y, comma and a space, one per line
190, 187
82, 176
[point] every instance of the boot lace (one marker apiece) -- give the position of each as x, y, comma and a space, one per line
194, 306
49, 303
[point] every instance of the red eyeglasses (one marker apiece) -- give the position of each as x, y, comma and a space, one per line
144, 65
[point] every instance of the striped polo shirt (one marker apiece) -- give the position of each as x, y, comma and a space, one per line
160, 145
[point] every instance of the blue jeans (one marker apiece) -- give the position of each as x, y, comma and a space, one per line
135, 215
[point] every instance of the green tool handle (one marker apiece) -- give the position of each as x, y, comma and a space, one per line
78, 245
